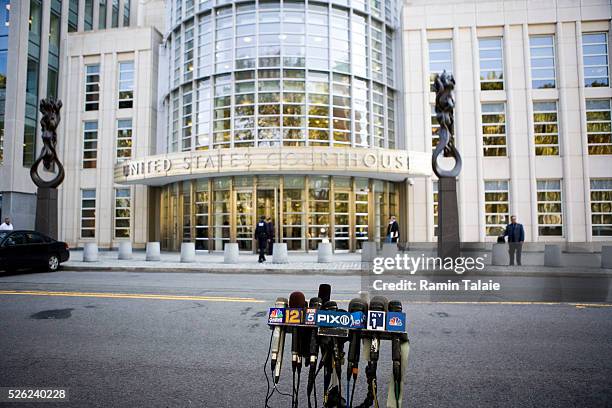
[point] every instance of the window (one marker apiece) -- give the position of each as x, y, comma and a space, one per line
491, 64
92, 87
542, 49
599, 126
187, 123
440, 59
88, 20
550, 219
595, 58
435, 207
126, 14
115, 14
545, 128
494, 129
497, 210
73, 15
601, 207
435, 128
188, 52
124, 139
102, 15
88, 213
90, 145
123, 207
126, 84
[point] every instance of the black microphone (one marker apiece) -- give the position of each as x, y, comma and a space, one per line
313, 348
379, 304
354, 351
324, 292
396, 351
296, 300
278, 343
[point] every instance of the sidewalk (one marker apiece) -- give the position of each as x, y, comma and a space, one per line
583, 265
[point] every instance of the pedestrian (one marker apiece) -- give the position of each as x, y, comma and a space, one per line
270, 232
6, 225
516, 236
261, 235
392, 230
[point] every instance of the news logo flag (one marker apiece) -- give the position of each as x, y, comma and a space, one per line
396, 321
342, 320
376, 320
294, 316
310, 317
276, 315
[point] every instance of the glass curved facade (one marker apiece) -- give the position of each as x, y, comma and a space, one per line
280, 73
305, 210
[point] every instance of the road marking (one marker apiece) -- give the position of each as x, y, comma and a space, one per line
130, 296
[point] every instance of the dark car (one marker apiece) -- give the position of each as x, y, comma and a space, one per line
31, 249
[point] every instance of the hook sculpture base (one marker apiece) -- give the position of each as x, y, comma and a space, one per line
46, 211
448, 219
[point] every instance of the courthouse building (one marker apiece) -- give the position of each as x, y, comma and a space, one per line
186, 121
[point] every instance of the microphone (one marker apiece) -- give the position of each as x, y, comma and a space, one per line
296, 300
312, 350
379, 304
396, 353
356, 305
324, 292
278, 343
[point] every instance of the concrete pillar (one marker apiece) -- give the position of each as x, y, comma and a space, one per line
188, 253
552, 255
606, 256
125, 250
230, 253
90, 252
389, 250
324, 252
368, 251
499, 255
153, 251
279, 253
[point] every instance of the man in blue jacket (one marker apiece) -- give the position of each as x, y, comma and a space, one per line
516, 236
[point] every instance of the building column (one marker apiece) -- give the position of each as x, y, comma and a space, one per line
478, 138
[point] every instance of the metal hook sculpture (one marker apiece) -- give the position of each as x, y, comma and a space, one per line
444, 84
50, 109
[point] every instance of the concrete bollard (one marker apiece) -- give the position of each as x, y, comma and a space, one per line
90, 252
606, 256
279, 253
389, 250
188, 254
153, 251
324, 252
230, 253
499, 255
368, 251
125, 250
552, 255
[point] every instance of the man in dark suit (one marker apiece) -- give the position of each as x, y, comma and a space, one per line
392, 230
261, 235
516, 236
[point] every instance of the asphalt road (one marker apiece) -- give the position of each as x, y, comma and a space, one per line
200, 340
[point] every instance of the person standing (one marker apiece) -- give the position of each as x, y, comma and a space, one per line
516, 236
392, 230
261, 235
270, 232
6, 225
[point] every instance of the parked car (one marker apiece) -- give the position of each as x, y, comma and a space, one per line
31, 249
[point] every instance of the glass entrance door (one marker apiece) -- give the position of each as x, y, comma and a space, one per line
266, 207
244, 220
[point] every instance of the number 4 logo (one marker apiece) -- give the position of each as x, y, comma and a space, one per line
376, 320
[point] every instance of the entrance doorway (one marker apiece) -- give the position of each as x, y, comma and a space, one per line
267, 207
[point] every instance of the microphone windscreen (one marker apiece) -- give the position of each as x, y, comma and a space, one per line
330, 305
297, 299
315, 302
324, 292
395, 306
379, 303
357, 305
281, 302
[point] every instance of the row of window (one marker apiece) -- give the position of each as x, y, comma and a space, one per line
125, 95
545, 128
549, 204
122, 219
123, 142
88, 18
542, 58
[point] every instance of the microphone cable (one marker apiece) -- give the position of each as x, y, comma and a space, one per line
269, 393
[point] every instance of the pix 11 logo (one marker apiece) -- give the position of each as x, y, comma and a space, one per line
345, 320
